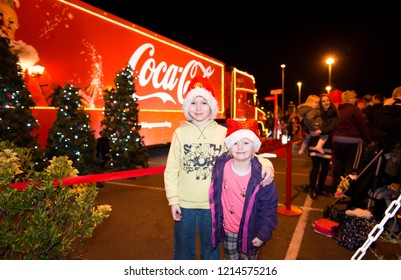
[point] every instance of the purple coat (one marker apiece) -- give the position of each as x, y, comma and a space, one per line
259, 217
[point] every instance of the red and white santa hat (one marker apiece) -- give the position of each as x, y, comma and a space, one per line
238, 130
200, 86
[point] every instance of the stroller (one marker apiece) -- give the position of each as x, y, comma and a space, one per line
367, 194
355, 186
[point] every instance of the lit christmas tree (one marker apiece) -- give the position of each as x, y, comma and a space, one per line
16, 119
120, 125
70, 134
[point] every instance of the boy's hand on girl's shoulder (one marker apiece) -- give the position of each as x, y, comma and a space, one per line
268, 176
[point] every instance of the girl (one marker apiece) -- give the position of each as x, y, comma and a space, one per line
310, 113
243, 211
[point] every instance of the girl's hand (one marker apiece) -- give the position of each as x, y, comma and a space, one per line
257, 242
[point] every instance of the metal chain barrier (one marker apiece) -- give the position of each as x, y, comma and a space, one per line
375, 233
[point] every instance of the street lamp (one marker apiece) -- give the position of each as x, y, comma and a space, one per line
282, 88
328, 88
330, 61
299, 84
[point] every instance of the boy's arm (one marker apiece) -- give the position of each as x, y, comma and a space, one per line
267, 170
171, 173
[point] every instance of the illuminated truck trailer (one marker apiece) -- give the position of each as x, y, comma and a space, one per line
76, 43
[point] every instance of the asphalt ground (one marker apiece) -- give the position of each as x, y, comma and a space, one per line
140, 226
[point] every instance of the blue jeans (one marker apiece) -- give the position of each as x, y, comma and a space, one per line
193, 221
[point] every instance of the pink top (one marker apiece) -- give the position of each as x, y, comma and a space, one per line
233, 197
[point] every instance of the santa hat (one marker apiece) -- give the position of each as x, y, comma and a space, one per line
200, 87
238, 130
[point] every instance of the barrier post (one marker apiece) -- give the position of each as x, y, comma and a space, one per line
288, 209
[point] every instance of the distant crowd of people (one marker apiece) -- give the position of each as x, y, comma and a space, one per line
338, 136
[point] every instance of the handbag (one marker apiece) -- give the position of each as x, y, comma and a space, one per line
353, 231
393, 161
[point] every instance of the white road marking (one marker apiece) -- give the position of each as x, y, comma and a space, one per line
296, 241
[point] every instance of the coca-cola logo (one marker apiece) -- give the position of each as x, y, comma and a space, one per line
163, 77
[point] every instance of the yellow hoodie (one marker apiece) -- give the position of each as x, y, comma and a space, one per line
190, 162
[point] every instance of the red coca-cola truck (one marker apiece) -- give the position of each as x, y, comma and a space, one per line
74, 42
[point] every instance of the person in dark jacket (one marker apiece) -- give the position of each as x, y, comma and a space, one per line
321, 161
244, 213
349, 139
372, 114
390, 123
390, 120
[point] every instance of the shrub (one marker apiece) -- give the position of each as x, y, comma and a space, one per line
44, 221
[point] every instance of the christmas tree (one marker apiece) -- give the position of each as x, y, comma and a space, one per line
16, 119
120, 125
70, 134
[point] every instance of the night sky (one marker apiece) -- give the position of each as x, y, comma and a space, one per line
365, 40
